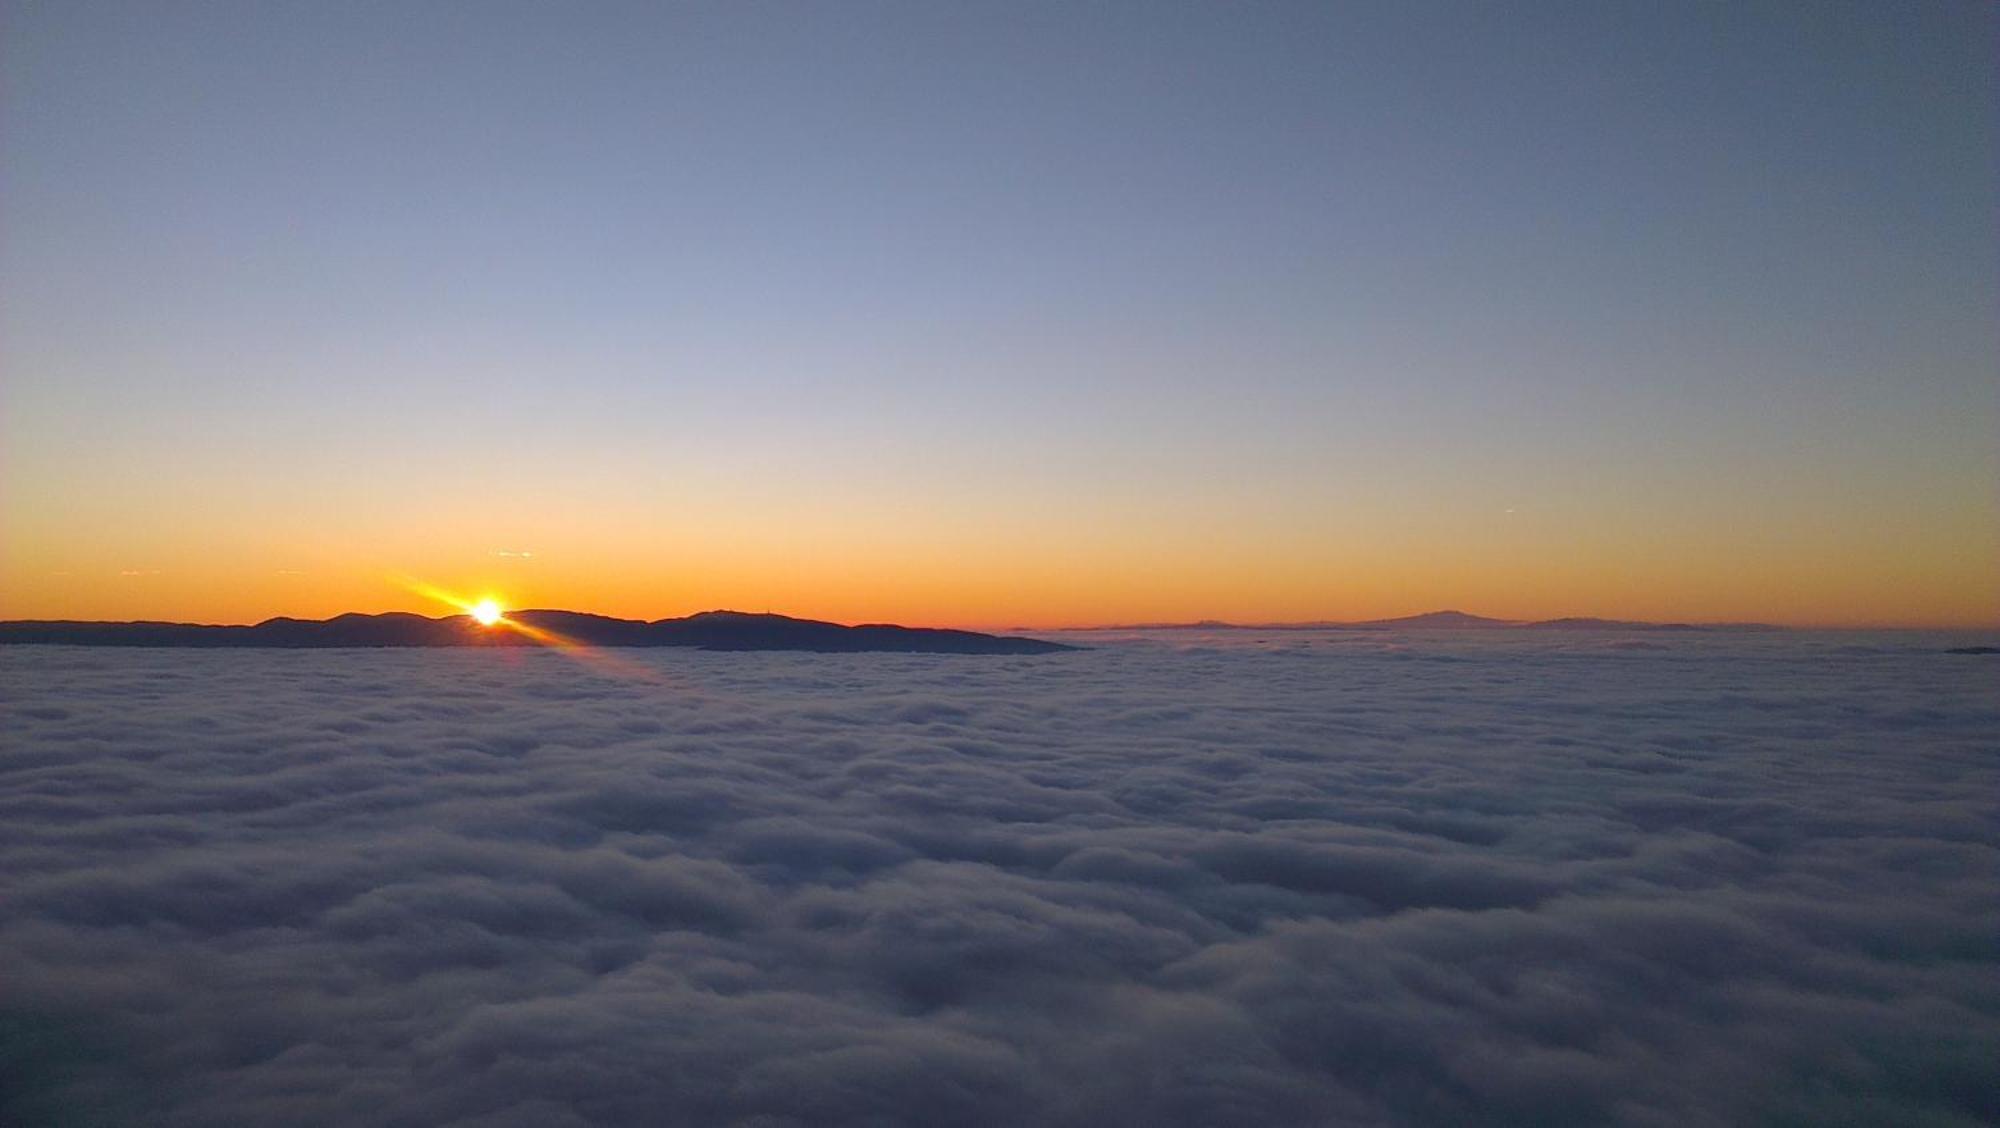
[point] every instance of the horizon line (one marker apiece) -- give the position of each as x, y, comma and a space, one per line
1496, 622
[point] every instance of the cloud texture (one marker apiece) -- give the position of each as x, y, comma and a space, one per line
1213, 879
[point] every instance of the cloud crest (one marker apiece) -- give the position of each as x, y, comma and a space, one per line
1310, 880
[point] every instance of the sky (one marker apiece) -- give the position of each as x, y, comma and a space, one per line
995, 315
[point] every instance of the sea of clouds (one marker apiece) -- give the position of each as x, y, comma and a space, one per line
1176, 878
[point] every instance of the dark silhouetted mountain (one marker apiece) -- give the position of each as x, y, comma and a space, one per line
1583, 623
710, 630
1449, 621
1430, 620
1438, 621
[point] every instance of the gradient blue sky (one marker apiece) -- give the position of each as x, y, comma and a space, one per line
1008, 313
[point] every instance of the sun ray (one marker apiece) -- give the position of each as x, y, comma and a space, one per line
487, 612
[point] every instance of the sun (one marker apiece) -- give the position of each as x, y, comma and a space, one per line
486, 612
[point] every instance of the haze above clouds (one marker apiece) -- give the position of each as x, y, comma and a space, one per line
1318, 879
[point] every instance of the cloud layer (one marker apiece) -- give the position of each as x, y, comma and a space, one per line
1323, 879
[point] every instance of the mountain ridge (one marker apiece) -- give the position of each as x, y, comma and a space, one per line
707, 630
1449, 619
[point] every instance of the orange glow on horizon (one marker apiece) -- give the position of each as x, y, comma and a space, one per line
1007, 569
1076, 589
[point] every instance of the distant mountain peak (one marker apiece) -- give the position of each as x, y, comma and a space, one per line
1450, 618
